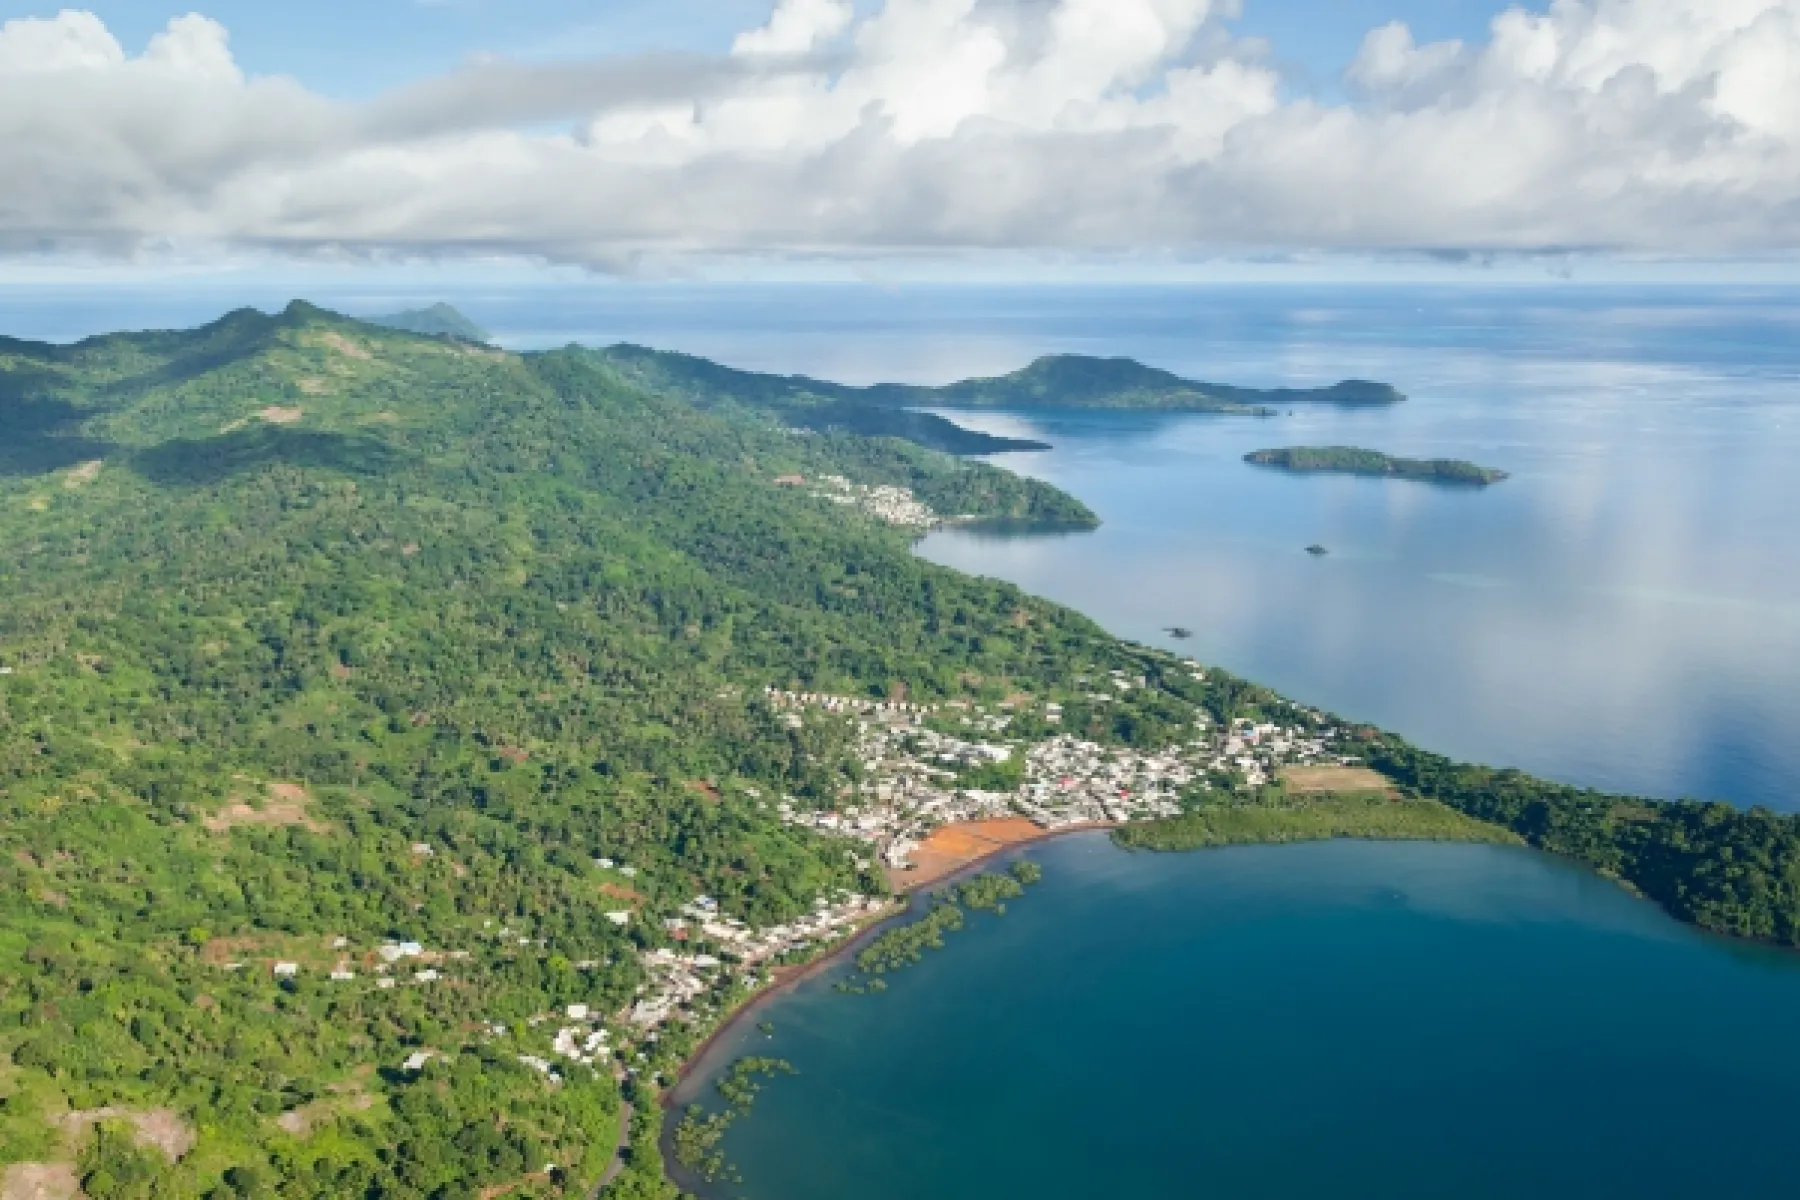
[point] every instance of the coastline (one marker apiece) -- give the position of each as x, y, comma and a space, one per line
788, 978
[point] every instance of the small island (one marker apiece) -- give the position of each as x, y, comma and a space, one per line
1348, 460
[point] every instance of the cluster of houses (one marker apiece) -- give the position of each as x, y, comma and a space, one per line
733, 950
584, 1039
910, 771
884, 502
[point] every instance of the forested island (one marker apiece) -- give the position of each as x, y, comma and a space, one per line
1348, 460
388, 768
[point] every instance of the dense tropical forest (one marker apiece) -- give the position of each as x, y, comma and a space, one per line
1349, 460
367, 699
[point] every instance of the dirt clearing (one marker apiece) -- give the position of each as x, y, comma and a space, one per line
286, 805
40, 1181
157, 1128
346, 347
1332, 781
950, 849
84, 474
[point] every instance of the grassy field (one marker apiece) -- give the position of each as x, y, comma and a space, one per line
1371, 816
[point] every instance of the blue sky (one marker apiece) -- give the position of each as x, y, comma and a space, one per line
358, 47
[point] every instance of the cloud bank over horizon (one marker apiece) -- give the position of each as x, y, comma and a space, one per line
931, 127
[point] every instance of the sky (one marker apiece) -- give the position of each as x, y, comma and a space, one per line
691, 137
1315, 39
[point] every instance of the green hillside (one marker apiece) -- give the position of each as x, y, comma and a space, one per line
799, 402
284, 597
323, 644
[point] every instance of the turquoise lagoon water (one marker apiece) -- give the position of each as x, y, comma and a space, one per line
1337, 1019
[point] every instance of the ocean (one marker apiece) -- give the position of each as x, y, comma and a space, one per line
1337, 1019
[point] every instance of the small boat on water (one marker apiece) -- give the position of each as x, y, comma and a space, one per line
1176, 631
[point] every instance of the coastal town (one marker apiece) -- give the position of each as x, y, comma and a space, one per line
915, 774
927, 771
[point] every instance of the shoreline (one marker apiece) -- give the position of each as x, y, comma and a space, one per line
908, 887
790, 977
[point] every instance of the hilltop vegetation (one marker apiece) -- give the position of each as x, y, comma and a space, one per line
799, 402
321, 643
1348, 460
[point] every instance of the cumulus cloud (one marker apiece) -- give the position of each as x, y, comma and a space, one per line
1089, 126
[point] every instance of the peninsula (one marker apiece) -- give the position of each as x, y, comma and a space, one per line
1064, 381
1348, 460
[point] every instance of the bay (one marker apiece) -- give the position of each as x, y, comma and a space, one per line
1342, 1019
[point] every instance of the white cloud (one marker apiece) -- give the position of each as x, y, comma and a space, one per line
1088, 126
194, 46
69, 41
797, 26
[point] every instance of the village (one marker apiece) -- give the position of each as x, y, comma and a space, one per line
884, 502
913, 773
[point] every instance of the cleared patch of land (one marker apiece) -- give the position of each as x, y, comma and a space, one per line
276, 415
302, 1122
40, 1181
157, 1128
346, 347
287, 804
86, 473
1326, 781
950, 849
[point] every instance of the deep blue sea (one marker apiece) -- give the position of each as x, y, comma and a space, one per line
1340, 1020
1344, 1020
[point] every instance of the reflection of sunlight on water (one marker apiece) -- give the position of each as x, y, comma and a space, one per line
1467, 581
1619, 613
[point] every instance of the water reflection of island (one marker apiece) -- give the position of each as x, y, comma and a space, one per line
1007, 529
